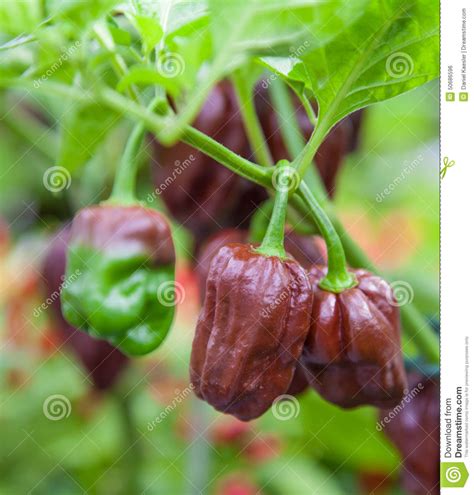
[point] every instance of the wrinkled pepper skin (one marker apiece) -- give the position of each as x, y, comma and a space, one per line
102, 361
415, 431
250, 332
124, 260
305, 250
208, 251
352, 355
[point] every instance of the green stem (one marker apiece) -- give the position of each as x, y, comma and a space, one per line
259, 222
273, 242
241, 166
309, 110
305, 158
251, 123
132, 458
419, 330
125, 180
193, 137
338, 277
288, 124
291, 132
414, 323
123, 191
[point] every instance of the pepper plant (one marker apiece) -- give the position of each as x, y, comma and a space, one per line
155, 64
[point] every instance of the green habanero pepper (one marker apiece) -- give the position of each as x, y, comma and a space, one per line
119, 282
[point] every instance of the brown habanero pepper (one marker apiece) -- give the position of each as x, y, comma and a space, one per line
352, 355
414, 430
305, 250
254, 322
251, 330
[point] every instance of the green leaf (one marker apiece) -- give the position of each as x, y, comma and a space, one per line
174, 16
296, 25
391, 49
282, 66
150, 31
120, 36
18, 18
83, 129
143, 76
242, 29
81, 13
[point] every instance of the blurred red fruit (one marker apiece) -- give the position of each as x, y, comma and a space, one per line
237, 484
230, 431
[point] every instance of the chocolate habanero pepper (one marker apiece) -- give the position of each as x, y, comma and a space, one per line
305, 250
253, 325
352, 355
102, 361
413, 427
124, 257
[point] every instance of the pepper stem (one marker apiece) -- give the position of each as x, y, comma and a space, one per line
338, 277
273, 242
124, 187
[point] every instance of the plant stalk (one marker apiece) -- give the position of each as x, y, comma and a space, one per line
251, 122
273, 241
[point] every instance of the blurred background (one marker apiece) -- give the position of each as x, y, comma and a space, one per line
64, 430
